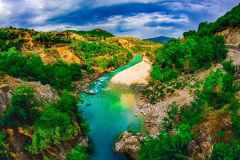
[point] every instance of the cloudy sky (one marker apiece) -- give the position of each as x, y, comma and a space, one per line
138, 18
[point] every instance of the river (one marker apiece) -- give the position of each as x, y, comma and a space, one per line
109, 112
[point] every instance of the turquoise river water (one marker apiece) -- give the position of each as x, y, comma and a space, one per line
109, 112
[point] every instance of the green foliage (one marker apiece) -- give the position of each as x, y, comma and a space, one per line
230, 19
94, 48
156, 73
226, 151
51, 128
23, 108
103, 62
57, 123
235, 117
59, 75
229, 67
193, 114
4, 153
100, 54
51, 37
198, 49
189, 33
9, 39
166, 146
167, 123
78, 153
46, 158
187, 56
217, 89
93, 33
164, 75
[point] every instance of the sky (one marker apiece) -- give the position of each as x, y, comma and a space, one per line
136, 18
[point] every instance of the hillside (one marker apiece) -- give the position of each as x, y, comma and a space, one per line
191, 104
160, 39
93, 33
177, 100
40, 74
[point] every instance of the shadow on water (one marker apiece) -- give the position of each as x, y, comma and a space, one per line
109, 112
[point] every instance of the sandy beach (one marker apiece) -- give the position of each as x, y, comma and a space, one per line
137, 74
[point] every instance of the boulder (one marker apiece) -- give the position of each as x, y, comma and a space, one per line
129, 143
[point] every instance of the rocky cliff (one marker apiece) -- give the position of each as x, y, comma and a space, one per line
18, 137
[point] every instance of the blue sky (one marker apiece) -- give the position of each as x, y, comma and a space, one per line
138, 18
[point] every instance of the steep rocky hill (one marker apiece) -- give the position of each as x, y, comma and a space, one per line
44, 70
192, 113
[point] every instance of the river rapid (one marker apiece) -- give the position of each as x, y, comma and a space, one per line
109, 112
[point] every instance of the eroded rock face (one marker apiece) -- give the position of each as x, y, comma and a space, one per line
5, 94
231, 35
42, 92
129, 143
202, 146
18, 138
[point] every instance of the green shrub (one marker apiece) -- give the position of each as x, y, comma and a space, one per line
59, 75
4, 152
51, 128
235, 117
229, 67
227, 151
217, 89
78, 153
165, 75
51, 37
167, 147
23, 108
187, 56
167, 123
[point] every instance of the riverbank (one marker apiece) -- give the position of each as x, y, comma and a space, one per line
109, 112
134, 75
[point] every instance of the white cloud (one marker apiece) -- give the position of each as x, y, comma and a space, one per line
38, 12
98, 3
42, 10
5, 10
132, 25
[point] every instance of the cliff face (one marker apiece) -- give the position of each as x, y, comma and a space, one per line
18, 137
5, 94
8, 83
231, 35
129, 143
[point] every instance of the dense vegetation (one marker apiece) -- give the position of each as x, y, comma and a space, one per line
59, 75
187, 56
23, 109
94, 54
57, 122
216, 92
161, 39
9, 39
215, 96
230, 19
4, 152
51, 37
93, 33
79, 152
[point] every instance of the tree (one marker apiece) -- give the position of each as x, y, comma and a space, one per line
166, 146
4, 153
79, 152
52, 127
217, 89
229, 150
23, 108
